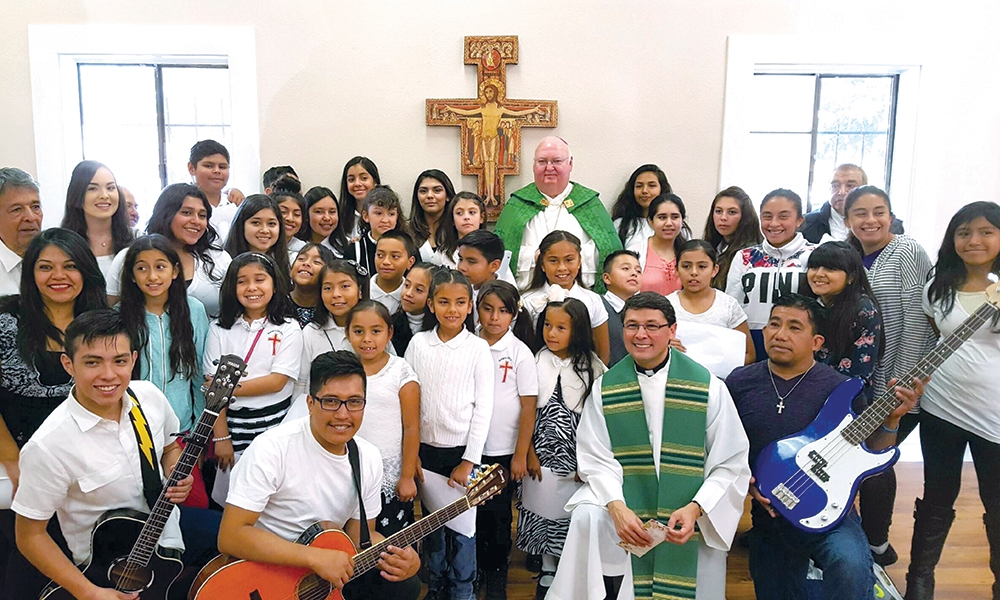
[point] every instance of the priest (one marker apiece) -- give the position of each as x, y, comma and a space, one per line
553, 203
688, 471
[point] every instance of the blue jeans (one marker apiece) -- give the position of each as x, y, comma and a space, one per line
780, 553
451, 562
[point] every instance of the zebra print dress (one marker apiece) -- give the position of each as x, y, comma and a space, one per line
554, 439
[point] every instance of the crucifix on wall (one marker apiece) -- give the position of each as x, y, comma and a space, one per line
491, 123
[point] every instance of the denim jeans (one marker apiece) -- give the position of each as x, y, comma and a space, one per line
780, 553
451, 562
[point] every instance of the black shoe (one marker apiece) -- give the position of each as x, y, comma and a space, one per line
889, 557
533, 563
496, 585
543, 577
930, 530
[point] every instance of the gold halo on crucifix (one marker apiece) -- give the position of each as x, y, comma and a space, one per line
497, 86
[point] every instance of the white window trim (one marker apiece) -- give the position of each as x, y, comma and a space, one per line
55, 51
747, 54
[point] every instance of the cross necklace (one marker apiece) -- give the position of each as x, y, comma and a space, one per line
781, 399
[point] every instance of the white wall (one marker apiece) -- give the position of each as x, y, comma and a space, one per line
636, 82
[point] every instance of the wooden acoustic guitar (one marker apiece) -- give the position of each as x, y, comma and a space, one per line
226, 578
125, 555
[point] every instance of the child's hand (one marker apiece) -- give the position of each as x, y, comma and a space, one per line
534, 466
676, 343
518, 467
406, 489
460, 475
224, 454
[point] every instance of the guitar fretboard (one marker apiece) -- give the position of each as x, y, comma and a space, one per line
873, 416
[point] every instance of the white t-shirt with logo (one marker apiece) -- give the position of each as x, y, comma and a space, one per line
515, 376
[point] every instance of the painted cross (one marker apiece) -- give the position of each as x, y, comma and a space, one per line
505, 366
491, 123
275, 339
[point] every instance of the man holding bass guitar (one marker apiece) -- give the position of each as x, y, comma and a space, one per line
101, 449
301, 473
777, 398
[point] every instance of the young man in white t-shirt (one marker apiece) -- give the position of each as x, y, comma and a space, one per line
299, 473
85, 460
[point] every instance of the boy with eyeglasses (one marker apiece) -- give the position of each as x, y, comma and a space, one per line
299, 473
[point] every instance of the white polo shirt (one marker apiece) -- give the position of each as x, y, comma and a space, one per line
390, 300
78, 466
278, 350
10, 271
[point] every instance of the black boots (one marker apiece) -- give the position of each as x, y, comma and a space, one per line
993, 537
930, 530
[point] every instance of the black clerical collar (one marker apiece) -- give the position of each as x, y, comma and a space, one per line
654, 370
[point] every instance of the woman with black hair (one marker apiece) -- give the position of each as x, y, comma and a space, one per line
732, 225
96, 210
629, 212
432, 192
182, 214
959, 406
321, 222
60, 279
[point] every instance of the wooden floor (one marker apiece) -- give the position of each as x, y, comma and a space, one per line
963, 573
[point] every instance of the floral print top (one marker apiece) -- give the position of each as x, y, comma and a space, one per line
861, 360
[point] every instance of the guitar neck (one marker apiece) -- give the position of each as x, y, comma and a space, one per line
873, 416
368, 559
145, 545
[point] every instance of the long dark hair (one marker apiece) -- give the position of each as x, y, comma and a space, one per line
280, 195
443, 276
685, 233
237, 243
843, 310
627, 208
511, 299
352, 269
581, 339
338, 237
538, 277
446, 236
35, 326
418, 217
166, 208
747, 233
348, 204
852, 199
279, 309
74, 218
183, 356
949, 271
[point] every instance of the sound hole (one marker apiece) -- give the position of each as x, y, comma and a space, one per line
313, 587
129, 578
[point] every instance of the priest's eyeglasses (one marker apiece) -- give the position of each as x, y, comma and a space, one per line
649, 327
555, 162
334, 404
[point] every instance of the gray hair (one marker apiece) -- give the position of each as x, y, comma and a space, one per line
12, 177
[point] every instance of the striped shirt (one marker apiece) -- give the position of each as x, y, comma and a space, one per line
898, 277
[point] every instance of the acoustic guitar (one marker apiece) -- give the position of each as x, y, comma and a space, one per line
125, 555
811, 477
226, 578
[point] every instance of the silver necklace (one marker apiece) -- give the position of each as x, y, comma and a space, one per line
781, 399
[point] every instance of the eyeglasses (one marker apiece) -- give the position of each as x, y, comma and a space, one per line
847, 187
555, 162
334, 404
649, 327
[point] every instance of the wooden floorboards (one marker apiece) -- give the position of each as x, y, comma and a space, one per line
963, 573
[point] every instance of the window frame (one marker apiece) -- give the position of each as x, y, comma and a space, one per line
56, 51
748, 55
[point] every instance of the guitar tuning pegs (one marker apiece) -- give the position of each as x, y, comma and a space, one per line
215, 363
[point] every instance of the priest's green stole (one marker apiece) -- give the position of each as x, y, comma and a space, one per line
669, 571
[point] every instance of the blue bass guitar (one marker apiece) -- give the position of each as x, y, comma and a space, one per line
811, 477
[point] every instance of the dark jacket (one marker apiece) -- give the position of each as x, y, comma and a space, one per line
817, 224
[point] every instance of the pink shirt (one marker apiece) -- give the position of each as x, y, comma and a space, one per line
659, 275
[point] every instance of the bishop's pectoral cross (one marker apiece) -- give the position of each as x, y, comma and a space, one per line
780, 405
491, 123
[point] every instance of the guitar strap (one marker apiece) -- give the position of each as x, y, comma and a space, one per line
354, 456
152, 485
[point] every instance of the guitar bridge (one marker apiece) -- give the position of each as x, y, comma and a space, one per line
785, 496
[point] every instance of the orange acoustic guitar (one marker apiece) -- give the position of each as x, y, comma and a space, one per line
227, 578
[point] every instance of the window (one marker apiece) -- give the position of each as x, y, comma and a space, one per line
139, 111
797, 106
142, 119
802, 125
